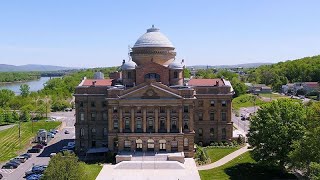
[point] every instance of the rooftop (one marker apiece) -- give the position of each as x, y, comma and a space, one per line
153, 38
206, 82
96, 82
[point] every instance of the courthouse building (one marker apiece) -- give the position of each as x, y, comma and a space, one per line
147, 107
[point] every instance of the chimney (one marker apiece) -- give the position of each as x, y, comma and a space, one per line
217, 83
182, 61
94, 83
123, 61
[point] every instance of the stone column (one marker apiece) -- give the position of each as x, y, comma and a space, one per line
144, 123
180, 124
168, 119
156, 119
191, 118
132, 119
120, 120
110, 120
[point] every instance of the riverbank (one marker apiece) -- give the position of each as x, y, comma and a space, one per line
11, 82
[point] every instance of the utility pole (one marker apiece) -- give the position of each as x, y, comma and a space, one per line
20, 132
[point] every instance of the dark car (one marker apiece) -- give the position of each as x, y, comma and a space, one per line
27, 155
40, 146
44, 143
15, 161
10, 166
1, 176
34, 177
34, 150
66, 132
38, 169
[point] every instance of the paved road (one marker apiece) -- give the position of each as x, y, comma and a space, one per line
243, 125
6, 127
55, 145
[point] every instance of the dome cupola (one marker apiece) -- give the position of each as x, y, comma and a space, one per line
177, 65
153, 38
129, 65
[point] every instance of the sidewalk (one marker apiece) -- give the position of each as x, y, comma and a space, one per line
225, 159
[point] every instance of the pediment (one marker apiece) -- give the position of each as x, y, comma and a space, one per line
151, 92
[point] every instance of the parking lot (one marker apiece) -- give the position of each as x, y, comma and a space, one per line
55, 145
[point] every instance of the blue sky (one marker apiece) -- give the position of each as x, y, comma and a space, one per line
97, 33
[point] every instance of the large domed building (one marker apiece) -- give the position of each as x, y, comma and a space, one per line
148, 107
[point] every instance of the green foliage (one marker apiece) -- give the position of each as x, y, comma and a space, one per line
300, 70
239, 87
5, 96
274, 129
18, 76
186, 73
315, 171
25, 90
216, 153
206, 74
65, 166
201, 156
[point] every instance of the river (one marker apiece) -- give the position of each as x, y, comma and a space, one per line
35, 85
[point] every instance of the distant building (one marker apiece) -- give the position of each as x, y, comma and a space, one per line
307, 87
258, 88
98, 75
147, 107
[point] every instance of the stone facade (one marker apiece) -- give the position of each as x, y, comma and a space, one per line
152, 110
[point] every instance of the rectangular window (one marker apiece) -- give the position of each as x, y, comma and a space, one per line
186, 109
200, 132
224, 103
129, 75
115, 110
93, 104
82, 116
138, 110
127, 144
81, 104
138, 124
223, 116
175, 74
93, 116
200, 103
162, 109
127, 124
173, 110
115, 124
150, 124
200, 116
212, 103
104, 116
105, 131
212, 116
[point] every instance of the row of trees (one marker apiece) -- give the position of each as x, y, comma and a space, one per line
18, 76
286, 133
301, 70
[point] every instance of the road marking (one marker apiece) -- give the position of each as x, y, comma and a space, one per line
6, 171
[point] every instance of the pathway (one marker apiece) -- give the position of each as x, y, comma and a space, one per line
6, 127
225, 159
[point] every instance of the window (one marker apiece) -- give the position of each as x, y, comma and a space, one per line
138, 123
81, 104
162, 143
173, 110
174, 145
104, 103
152, 76
174, 123
200, 103
82, 116
223, 116
224, 103
127, 144
186, 124
127, 123
129, 75
162, 123
81, 132
224, 133
93, 116
162, 109
93, 104
200, 132
150, 123
115, 110
185, 109
175, 74
105, 131
212, 103
93, 144
138, 144
93, 131
200, 116
115, 124
211, 116
150, 144
211, 132
104, 116
138, 109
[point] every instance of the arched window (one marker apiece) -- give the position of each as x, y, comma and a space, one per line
81, 132
175, 74
138, 123
127, 123
152, 76
150, 123
139, 145
162, 143
150, 144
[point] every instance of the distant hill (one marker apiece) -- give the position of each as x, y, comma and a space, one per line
247, 65
31, 67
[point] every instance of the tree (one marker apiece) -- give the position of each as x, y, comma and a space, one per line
186, 73
6, 96
274, 129
25, 90
315, 171
238, 87
65, 166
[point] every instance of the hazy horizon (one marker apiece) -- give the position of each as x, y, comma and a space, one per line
97, 34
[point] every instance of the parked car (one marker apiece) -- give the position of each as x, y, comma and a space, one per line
27, 155
10, 166
66, 132
21, 159
1, 176
15, 161
51, 135
39, 168
34, 150
40, 146
34, 177
52, 154
68, 109
43, 143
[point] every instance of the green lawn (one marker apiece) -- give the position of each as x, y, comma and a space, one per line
246, 100
9, 138
244, 167
217, 153
273, 96
92, 171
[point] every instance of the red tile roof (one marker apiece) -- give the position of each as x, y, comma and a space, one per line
205, 82
311, 84
99, 82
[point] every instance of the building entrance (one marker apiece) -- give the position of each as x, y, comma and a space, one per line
138, 145
150, 145
162, 144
